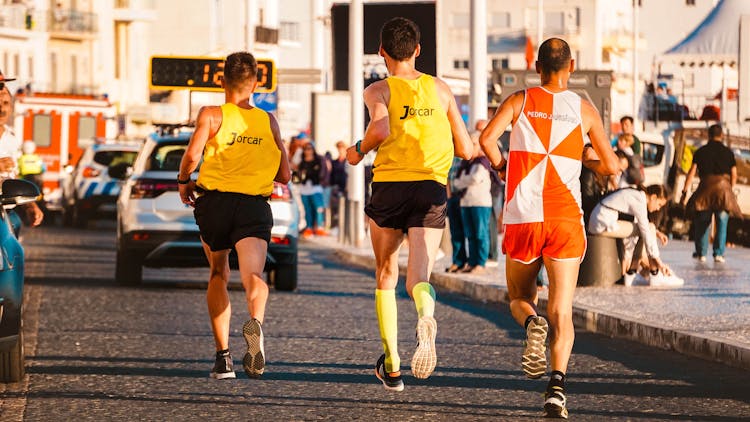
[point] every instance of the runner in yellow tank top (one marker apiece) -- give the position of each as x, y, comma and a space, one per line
416, 148
415, 125
242, 156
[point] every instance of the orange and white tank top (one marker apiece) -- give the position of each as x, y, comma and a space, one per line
420, 144
243, 157
544, 162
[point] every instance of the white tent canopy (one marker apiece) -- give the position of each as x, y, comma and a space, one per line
716, 40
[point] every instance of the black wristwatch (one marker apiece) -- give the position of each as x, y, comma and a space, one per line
183, 182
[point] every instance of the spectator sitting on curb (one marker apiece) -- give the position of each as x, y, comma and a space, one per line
624, 214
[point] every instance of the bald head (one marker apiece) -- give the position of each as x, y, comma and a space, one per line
554, 55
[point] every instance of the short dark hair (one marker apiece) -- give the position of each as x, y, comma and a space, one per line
624, 118
621, 154
399, 38
239, 68
554, 55
714, 131
661, 191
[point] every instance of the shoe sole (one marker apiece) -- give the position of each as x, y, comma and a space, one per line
425, 359
386, 386
534, 360
223, 376
555, 411
254, 362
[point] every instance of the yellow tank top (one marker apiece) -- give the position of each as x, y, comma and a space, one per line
243, 156
420, 145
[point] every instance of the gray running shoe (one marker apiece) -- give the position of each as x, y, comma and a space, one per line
254, 361
554, 405
223, 368
534, 361
425, 359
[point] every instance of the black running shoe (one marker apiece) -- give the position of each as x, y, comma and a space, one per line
534, 360
389, 382
554, 405
223, 368
254, 361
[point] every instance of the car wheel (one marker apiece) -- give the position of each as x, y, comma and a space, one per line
67, 216
12, 362
80, 218
285, 277
128, 268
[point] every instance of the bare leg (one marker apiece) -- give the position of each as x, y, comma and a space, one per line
251, 254
217, 297
563, 276
423, 247
386, 244
522, 291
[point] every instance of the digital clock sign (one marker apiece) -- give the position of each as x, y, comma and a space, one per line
203, 73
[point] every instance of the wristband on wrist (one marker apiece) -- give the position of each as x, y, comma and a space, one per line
502, 167
358, 147
183, 182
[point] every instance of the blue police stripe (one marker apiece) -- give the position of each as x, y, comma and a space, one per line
108, 188
90, 190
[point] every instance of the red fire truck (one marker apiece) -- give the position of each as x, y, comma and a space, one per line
61, 126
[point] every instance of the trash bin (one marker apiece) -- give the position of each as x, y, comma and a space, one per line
601, 264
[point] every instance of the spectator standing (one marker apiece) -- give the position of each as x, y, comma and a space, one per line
476, 207
10, 152
634, 174
717, 170
30, 164
313, 175
628, 128
459, 256
338, 181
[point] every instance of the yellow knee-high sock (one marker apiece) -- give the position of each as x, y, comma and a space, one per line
424, 299
385, 305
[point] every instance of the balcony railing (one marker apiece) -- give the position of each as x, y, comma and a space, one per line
18, 16
72, 21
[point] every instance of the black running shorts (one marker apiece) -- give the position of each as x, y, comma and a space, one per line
401, 205
225, 218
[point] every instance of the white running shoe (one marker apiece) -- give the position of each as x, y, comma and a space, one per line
661, 280
640, 280
425, 358
719, 258
628, 278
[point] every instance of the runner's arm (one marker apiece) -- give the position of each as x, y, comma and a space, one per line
608, 163
284, 174
462, 145
505, 115
379, 128
206, 126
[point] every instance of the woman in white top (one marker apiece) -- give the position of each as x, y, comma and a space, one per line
474, 177
624, 214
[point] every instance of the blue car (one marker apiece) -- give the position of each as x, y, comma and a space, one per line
14, 192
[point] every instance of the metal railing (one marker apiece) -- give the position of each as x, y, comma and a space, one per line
72, 21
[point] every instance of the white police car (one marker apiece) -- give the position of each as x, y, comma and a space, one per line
155, 229
89, 191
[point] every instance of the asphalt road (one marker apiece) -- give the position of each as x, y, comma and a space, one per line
98, 351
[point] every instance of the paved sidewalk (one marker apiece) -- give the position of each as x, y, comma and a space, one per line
708, 317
